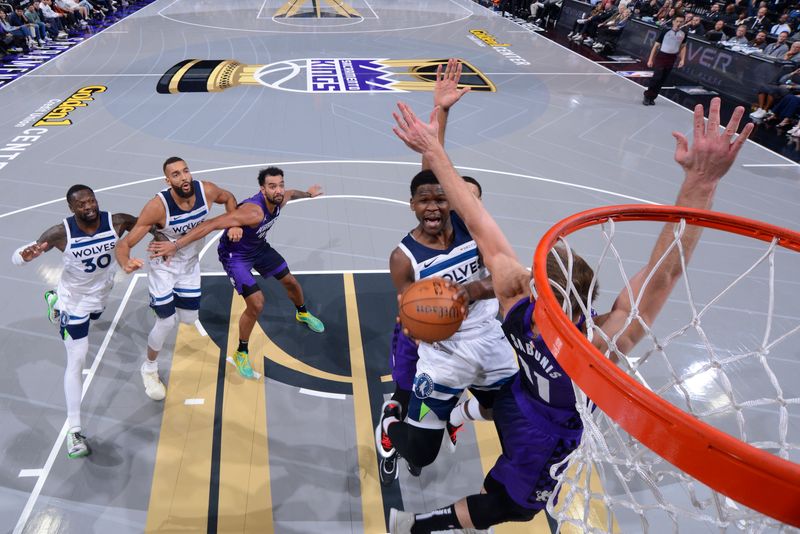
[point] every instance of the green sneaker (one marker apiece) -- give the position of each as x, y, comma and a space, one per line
242, 361
312, 322
76, 445
51, 297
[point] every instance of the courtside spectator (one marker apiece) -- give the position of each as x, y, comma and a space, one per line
740, 39
760, 41
773, 92
779, 47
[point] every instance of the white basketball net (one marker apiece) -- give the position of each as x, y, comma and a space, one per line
612, 482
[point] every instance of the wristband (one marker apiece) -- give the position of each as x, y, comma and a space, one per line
16, 257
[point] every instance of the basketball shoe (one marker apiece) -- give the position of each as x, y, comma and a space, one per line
51, 298
312, 322
385, 448
242, 361
387, 469
76, 445
153, 387
452, 435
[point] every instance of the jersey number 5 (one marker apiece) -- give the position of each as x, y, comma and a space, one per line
102, 262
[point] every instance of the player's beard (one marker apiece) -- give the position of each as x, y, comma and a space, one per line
179, 190
277, 199
88, 220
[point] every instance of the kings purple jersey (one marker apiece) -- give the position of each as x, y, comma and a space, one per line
254, 240
543, 386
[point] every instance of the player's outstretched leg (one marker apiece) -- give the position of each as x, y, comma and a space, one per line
295, 293
51, 298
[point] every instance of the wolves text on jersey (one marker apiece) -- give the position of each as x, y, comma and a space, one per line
94, 249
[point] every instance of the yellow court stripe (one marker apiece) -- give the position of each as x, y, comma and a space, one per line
286, 7
182, 472
245, 494
371, 497
318, 7
295, 8
338, 8
278, 355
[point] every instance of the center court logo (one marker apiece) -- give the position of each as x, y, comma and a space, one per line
329, 75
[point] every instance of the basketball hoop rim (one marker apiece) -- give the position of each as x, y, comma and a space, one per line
764, 482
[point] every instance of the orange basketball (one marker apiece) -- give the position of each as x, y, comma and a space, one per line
428, 311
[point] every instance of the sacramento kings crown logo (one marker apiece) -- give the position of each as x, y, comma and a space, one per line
332, 75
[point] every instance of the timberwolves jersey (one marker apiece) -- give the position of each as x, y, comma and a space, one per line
179, 222
458, 263
89, 263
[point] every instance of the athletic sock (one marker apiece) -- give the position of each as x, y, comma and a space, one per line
441, 519
242, 345
150, 366
466, 411
301, 308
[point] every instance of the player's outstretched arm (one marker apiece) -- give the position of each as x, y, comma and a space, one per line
217, 195
510, 278
445, 95
53, 237
296, 194
248, 214
705, 163
151, 216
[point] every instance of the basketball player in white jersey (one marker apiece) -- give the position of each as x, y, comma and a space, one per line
87, 240
174, 284
475, 357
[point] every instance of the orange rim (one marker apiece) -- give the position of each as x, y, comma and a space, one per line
753, 477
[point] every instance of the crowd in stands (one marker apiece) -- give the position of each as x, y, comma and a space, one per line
27, 25
768, 28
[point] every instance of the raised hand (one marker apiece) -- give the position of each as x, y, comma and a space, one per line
33, 251
417, 135
446, 91
713, 151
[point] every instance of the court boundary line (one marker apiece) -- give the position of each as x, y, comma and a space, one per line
70, 49
344, 161
769, 150
248, 30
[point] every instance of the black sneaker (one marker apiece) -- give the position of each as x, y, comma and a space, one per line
413, 469
387, 469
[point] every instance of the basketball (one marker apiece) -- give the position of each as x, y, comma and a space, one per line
428, 311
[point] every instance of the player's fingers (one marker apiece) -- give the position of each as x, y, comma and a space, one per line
399, 120
733, 124
742, 137
439, 73
699, 122
713, 116
681, 142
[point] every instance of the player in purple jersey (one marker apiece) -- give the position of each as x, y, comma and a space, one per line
255, 216
535, 414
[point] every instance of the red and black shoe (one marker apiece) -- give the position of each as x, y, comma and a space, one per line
385, 448
452, 435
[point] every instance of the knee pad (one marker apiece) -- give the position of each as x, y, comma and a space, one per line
187, 316
496, 507
160, 331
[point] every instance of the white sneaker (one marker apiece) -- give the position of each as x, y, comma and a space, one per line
76, 445
400, 522
758, 114
153, 386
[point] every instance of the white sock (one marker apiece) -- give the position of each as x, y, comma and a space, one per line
466, 411
73, 378
160, 331
150, 366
